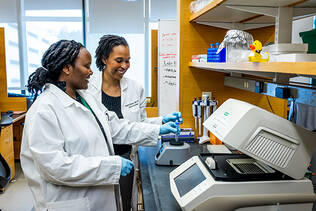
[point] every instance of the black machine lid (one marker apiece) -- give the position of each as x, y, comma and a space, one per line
227, 170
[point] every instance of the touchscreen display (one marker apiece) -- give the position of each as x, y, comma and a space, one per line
189, 179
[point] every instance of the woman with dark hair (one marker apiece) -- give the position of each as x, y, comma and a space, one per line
67, 150
125, 97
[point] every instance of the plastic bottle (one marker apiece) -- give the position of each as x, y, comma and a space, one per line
212, 45
217, 45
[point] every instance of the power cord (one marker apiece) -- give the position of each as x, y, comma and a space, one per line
269, 103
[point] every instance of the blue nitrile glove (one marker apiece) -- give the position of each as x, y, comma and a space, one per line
169, 127
175, 116
127, 166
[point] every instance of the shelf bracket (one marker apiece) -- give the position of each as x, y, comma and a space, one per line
234, 74
247, 26
237, 73
222, 24
268, 11
282, 78
240, 26
299, 12
283, 25
283, 18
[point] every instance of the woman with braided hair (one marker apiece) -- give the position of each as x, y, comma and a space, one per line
126, 98
67, 152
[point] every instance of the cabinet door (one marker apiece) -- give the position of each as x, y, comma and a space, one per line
6, 147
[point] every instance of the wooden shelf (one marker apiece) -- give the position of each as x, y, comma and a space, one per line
261, 69
205, 10
252, 14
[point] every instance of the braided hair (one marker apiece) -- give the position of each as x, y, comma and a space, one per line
106, 45
56, 57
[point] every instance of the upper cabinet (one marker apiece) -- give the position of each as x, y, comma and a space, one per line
245, 14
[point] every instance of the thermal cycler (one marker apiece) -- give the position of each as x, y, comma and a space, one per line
267, 175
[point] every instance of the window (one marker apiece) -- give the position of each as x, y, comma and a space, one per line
12, 55
41, 34
43, 22
8, 20
31, 26
46, 26
133, 21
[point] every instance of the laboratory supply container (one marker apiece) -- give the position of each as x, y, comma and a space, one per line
310, 38
213, 56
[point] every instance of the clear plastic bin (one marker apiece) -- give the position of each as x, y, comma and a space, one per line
237, 54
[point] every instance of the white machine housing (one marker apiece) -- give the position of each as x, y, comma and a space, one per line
263, 136
210, 195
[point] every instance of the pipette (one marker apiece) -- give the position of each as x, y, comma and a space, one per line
194, 112
199, 114
176, 136
206, 104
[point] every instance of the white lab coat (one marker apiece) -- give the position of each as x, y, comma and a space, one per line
133, 103
64, 155
133, 99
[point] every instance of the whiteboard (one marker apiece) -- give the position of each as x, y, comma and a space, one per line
168, 67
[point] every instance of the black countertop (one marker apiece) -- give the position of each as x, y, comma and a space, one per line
155, 179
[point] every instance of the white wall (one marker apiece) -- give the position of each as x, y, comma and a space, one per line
108, 16
301, 25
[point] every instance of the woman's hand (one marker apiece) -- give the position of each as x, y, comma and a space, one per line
173, 117
127, 166
169, 127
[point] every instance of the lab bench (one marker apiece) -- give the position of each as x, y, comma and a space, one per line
155, 179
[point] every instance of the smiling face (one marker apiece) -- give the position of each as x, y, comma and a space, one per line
80, 72
118, 62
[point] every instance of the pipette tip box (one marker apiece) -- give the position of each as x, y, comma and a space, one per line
186, 135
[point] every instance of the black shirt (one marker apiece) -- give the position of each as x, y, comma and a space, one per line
114, 104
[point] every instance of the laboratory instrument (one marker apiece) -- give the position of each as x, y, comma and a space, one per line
199, 114
194, 112
269, 175
172, 153
186, 135
207, 104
